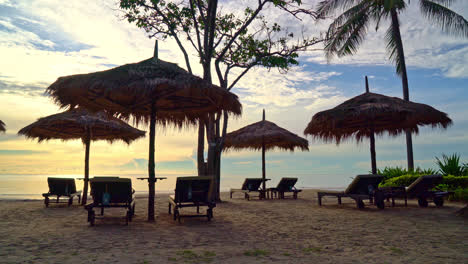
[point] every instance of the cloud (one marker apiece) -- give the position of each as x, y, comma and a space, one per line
264, 87
20, 152
242, 162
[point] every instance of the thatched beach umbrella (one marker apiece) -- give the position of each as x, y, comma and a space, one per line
79, 123
2, 126
264, 135
151, 91
368, 114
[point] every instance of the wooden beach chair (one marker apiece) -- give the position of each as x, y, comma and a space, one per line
423, 188
61, 187
111, 192
286, 185
249, 187
361, 188
192, 192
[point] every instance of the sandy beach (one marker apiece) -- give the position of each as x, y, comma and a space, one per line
278, 231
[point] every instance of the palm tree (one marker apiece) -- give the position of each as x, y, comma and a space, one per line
348, 30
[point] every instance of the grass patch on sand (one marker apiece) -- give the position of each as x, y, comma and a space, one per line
396, 250
189, 256
256, 253
309, 250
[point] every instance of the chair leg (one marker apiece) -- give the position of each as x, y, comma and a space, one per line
319, 199
169, 208
79, 199
46, 201
102, 210
339, 199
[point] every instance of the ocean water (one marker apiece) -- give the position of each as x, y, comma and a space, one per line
31, 187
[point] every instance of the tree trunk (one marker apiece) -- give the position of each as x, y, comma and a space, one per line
201, 165
151, 166
372, 151
404, 80
87, 142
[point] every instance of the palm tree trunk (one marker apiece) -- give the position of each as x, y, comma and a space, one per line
404, 79
87, 142
151, 166
201, 165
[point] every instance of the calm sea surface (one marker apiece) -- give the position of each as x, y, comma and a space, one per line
31, 187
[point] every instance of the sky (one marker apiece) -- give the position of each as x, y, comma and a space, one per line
41, 40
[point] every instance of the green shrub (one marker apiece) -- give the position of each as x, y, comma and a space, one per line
460, 194
392, 172
449, 183
454, 182
404, 180
450, 165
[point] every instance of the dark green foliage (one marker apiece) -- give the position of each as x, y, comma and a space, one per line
404, 180
454, 182
450, 165
460, 194
449, 182
392, 172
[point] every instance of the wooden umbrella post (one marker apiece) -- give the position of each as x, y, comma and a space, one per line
263, 162
372, 151
87, 142
372, 140
151, 166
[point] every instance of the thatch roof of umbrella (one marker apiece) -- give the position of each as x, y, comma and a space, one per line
2, 126
251, 136
370, 112
264, 135
73, 124
81, 124
179, 96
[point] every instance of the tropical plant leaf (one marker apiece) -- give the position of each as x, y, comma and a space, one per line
450, 22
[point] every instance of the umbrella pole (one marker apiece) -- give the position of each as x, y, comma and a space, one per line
86, 174
263, 168
372, 151
151, 166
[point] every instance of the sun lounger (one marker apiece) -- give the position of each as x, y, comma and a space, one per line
285, 185
61, 187
109, 192
361, 188
422, 189
192, 192
249, 187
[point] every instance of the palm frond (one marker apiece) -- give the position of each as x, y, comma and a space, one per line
329, 7
445, 3
347, 31
395, 46
451, 22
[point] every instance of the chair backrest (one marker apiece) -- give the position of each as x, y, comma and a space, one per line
364, 184
118, 190
286, 184
252, 184
423, 184
193, 189
61, 186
